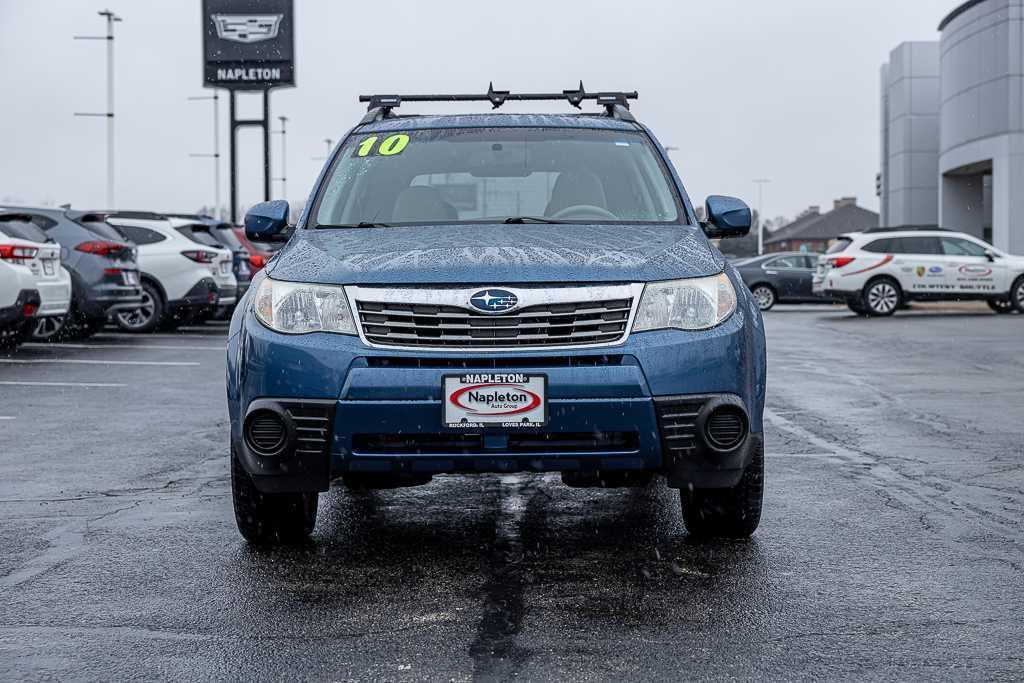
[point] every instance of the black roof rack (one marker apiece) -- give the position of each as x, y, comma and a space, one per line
616, 103
98, 216
907, 228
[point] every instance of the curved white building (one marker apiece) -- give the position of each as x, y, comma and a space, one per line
981, 121
952, 112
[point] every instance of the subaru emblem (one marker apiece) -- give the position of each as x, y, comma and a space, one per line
494, 300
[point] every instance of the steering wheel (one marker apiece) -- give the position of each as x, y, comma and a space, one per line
584, 211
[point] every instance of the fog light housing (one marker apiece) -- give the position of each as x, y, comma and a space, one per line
266, 433
726, 427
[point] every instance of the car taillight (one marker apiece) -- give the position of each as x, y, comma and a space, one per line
29, 310
100, 248
17, 254
257, 261
200, 256
840, 261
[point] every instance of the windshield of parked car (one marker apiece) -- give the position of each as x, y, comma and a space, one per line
464, 175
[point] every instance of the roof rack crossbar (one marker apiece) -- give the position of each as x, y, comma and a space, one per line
616, 103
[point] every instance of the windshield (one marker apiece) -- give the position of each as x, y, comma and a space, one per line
463, 175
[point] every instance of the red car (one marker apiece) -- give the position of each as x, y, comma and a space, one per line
258, 257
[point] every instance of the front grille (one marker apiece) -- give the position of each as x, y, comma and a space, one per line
474, 444
677, 419
558, 324
504, 363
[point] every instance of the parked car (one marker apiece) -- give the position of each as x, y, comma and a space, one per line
180, 277
879, 270
497, 293
208, 230
784, 277
19, 298
258, 257
103, 269
41, 255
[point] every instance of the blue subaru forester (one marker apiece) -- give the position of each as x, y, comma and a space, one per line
497, 293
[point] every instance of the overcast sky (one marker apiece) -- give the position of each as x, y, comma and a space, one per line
786, 89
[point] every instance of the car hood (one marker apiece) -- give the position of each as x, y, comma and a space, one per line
480, 254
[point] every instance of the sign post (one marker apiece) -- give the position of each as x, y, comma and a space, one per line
248, 46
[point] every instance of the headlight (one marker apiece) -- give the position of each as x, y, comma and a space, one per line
692, 304
299, 308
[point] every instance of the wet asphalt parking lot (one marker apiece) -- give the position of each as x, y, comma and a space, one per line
891, 546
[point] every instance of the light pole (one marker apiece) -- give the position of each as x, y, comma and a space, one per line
330, 145
111, 18
216, 148
761, 182
284, 156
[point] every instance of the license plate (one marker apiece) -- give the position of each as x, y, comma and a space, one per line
48, 268
130, 277
510, 400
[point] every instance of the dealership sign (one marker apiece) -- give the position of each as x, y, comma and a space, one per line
248, 44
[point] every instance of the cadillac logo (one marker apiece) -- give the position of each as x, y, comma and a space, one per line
247, 28
494, 301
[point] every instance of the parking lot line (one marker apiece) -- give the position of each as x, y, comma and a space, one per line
82, 361
108, 385
123, 347
6, 417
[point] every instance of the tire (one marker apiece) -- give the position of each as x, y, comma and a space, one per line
881, 297
147, 316
82, 329
1002, 306
856, 306
270, 518
1017, 294
727, 513
764, 296
10, 337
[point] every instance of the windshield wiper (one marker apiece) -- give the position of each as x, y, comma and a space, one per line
360, 224
531, 219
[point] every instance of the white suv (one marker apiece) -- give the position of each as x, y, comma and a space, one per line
878, 270
33, 286
180, 278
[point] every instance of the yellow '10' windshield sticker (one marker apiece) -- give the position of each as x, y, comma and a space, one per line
388, 147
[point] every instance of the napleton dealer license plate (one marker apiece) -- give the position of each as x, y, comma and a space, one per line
495, 399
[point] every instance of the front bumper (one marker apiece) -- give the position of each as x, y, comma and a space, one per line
380, 411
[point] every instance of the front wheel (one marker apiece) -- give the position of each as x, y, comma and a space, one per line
764, 296
1001, 305
270, 518
882, 297
727, 513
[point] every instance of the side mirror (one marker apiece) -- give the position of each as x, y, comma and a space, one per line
990, 255
267, 222
727, 217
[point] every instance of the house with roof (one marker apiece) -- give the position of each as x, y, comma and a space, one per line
814, 231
